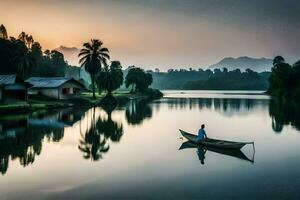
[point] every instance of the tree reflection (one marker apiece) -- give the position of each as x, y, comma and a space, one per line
137, 111
284, 112
22, 136
225, 106
95, 141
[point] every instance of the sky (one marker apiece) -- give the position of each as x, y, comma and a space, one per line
162, 33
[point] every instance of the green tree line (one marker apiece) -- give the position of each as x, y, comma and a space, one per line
231, 80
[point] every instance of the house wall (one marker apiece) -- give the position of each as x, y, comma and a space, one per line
17, 91
57, 93
51, 92
70, 85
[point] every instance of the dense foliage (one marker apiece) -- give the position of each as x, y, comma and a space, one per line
138, 79
230, 80
175, 79
110, 77
25, 57
211, 80
285, 79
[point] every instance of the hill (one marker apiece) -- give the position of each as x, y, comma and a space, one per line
242, 63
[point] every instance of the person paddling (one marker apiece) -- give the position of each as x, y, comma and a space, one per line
201, 133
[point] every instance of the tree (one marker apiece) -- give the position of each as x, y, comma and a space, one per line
110, 78
138, 79
92, 57
278, 60
280, 81
217, 71
22, 58
3, 32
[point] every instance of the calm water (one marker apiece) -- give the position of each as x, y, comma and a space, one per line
133, 152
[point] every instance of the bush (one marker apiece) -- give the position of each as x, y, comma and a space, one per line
153, 93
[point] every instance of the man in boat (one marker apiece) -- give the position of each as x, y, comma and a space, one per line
201, 133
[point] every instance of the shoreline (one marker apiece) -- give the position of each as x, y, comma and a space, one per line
84, 100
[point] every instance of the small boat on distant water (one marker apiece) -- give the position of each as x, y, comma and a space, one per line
222, 144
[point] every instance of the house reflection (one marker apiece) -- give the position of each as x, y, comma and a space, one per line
22, 136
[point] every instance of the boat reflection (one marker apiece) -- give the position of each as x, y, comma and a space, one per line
201, 151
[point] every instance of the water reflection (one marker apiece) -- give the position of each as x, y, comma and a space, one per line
228, 107
201, 151
95, 141
284, 113
22, 136
137, 111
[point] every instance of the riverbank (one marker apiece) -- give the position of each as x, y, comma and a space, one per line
83, 100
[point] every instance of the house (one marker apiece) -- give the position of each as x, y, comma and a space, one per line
55, 87
13, 88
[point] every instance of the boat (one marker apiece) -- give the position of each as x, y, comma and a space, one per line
236, 153
209, 142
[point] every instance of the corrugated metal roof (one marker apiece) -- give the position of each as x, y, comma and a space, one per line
48, 82
8, 79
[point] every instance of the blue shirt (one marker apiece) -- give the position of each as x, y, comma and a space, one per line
201, 134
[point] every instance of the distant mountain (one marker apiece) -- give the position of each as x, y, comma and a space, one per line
70, 54
256, 64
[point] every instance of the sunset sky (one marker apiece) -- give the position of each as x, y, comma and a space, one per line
162, 33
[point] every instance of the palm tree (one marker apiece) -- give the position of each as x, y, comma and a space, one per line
92, 57
110, 78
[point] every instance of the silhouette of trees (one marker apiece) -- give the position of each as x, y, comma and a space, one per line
110, 78
3, 32
138, 79
24, 56
208, 79
230, 80
93, 56
285, 79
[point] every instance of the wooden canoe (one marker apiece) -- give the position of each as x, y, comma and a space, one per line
236, 153
222, 144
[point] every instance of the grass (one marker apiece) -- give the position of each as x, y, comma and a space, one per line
84, 99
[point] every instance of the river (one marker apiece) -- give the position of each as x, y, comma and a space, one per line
136, 151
